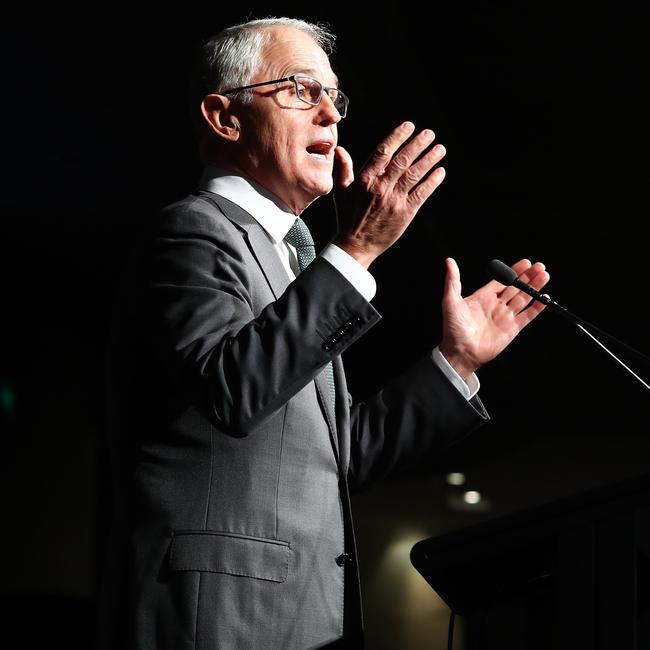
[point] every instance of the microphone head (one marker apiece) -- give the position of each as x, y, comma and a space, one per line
501, 272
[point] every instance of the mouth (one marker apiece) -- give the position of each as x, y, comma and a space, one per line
320, 149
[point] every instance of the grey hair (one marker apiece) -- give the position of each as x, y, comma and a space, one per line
232, 57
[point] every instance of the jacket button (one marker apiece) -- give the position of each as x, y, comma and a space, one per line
343, 558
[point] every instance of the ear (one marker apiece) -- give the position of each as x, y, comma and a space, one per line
217, 111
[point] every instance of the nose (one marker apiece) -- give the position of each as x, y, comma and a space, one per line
327, 113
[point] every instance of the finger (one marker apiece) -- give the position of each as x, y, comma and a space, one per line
417, 171
523, 269
403, 159
420, 193
525, 316
343, 168
528, 273
536, 277
383, 154
522, 300
507, 292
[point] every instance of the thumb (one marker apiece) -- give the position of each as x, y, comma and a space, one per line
343, 168
452, 287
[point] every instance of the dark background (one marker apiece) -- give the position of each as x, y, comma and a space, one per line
544, 113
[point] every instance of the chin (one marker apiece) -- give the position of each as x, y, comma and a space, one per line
320, 186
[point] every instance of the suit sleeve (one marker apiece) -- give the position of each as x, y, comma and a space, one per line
238, 366
416, 415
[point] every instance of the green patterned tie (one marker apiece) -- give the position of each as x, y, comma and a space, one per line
300, 238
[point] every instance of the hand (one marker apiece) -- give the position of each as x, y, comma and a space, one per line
374, 210
477, 328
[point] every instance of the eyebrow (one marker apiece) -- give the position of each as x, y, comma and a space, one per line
314, 73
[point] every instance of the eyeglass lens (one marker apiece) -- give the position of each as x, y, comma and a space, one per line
311, 91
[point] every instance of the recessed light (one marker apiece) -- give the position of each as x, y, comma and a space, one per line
472, 497
455, 478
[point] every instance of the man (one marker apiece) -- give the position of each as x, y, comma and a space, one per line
237, 439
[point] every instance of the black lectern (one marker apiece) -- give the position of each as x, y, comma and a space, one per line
574, 574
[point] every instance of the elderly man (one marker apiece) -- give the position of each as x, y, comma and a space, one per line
238, 442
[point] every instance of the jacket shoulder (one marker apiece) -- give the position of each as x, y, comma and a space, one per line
194, 215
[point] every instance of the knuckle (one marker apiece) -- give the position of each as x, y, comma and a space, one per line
420, 193
382, 151
401, 161
412, 175
378, 188
415, 195
366, 179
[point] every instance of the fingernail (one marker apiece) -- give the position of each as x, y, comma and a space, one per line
427, 134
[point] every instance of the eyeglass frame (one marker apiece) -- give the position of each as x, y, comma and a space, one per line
293, 77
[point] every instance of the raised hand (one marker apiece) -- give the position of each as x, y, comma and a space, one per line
376, 208
477, 328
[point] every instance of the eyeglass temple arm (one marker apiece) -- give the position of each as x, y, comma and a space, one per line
261, 83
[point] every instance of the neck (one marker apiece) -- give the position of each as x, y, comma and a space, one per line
297, 205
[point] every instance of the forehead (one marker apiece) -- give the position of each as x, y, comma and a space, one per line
292, 50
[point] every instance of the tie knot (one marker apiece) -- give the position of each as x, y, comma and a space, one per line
299, 235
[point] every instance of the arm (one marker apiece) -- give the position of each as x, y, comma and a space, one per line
421, 413
416, 415
237, 362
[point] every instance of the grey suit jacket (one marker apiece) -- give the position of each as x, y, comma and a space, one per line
232, 470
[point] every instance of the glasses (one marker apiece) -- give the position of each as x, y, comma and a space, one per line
308, 90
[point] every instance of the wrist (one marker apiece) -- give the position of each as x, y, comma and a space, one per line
359, 253
462, 364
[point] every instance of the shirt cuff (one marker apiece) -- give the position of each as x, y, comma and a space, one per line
467, 389
351, 270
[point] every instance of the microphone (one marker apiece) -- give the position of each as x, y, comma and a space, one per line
505, 275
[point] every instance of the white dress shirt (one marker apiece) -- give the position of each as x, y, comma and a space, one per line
276, 219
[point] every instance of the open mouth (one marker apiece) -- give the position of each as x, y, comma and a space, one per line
320, 149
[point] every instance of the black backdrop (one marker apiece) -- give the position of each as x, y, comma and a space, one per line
543, 111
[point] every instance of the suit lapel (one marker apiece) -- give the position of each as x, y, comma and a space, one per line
278, 280
267, 258
259, 243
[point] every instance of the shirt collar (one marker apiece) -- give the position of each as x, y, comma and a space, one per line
266, 208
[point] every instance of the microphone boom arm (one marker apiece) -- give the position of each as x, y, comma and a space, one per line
505, 275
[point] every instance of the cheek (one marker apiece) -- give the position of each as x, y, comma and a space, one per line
270, 144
